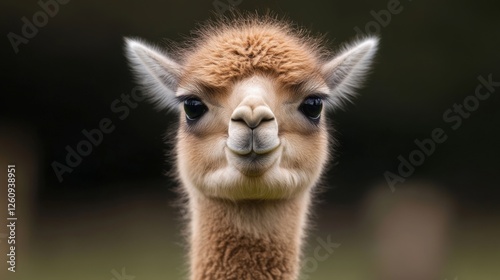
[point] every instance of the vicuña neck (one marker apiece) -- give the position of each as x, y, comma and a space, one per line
246, 239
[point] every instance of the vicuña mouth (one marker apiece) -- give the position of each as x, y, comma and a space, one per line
253, 152
253, 164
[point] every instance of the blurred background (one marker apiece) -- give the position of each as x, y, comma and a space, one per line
398, 210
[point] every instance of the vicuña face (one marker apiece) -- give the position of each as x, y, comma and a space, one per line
257, 140
251, 96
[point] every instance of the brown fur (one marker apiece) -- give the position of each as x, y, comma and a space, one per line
249, 163
229, 248
256, 239
231, 50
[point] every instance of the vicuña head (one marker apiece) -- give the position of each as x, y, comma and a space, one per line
252, 95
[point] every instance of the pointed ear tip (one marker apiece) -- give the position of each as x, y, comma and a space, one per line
371, 41
130, 43
128, 40
134, 44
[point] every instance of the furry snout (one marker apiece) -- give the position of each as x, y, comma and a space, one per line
252, 128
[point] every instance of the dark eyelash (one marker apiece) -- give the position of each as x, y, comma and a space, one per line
322, 96
180, 99
327, 99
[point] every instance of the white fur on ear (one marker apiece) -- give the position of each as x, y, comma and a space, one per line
346, 71
158, 73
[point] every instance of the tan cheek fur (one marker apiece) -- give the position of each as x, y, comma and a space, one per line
311, 156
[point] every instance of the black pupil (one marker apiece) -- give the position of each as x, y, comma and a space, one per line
194, 108
312, 107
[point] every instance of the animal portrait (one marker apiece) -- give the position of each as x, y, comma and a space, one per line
252, 93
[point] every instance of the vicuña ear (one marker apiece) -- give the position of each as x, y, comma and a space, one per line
158, 73
346, 71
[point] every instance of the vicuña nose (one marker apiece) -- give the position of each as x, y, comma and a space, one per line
253, 111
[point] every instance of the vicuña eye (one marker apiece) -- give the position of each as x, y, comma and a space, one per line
311, 107
194, 108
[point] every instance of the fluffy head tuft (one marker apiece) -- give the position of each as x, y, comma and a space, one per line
233, 49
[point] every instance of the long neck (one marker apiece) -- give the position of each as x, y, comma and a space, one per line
246, 240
